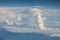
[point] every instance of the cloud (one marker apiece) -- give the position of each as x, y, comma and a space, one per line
4, 12
19, 17
55, 35
9, 22
43, 28
54, 23
39, 18
11, 18
49, 11
19, 29
53, 32
31, 16
35, 11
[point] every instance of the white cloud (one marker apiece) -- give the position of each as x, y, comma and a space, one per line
18, 23
39, 18
53, 32
5, 13
3, 10
19, 29
19, 17
49, 11
55, 35
43, 28
9, 22
35, 11
7, 16
54, 22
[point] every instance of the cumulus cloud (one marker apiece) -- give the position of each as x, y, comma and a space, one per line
18, 17
11, 18
9, 22
28, 16
35, 11
43, 28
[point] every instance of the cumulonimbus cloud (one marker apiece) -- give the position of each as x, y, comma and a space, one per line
42, 27
30, 13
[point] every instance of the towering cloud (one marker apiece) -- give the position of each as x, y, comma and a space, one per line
26, 19
37, 12
43, 28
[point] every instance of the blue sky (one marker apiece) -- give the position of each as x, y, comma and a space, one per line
47, 3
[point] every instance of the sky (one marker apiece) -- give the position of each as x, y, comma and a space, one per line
39, 16
47, 3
